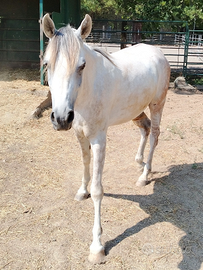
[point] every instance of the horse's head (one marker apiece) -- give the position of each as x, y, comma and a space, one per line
65, 64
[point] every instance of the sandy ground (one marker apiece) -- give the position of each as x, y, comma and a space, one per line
154, 227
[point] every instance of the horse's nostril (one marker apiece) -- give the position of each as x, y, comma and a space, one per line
52, 116
62, 122
70, 116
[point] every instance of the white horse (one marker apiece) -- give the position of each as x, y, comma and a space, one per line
92, 90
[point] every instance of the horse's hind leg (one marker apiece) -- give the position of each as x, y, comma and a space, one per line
43, 105
156, 113
144, 123
86, 156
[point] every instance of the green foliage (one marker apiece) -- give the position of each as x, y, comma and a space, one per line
194, 166
181, 10
197, 80
99, 9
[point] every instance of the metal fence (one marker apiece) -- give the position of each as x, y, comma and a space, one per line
194, 63
182, 47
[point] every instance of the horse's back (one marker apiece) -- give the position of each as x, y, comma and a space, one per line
145, 66
139, 50
142, 55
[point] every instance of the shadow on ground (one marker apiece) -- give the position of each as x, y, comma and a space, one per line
178, 198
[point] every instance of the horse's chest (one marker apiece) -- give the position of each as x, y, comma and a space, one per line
90, 120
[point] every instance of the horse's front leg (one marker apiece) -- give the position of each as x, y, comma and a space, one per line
98, 145
86, 157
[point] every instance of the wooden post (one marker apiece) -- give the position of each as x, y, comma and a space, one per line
123, 34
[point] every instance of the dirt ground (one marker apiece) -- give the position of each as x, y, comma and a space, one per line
159, 226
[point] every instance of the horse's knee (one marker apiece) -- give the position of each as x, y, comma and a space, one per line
97, 192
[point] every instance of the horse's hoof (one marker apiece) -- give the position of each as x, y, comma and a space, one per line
142, 183
97, 258
36, 113
81, 196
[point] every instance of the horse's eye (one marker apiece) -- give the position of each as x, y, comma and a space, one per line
80, 68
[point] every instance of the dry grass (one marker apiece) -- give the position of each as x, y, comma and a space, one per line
155, 227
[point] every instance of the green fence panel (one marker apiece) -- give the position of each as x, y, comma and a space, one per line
69, 13
19, 42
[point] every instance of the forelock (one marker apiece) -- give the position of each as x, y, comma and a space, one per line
63, 42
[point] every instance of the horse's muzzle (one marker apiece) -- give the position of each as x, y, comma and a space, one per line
64, 123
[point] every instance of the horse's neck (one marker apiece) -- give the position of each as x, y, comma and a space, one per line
93, 59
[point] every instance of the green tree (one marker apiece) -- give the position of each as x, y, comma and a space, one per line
99, 9
181, 10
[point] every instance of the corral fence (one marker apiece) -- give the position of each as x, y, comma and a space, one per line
182, 47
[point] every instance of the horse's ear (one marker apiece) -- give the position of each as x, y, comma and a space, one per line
48, 26
85, 27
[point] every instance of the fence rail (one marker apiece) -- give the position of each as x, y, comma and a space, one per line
182, 47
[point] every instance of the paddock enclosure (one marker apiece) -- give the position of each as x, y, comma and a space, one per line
41, 226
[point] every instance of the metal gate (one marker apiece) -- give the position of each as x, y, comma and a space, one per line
194, 63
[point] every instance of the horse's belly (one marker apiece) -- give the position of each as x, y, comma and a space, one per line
126, 112
130, 101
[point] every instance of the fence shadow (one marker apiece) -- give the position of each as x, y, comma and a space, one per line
181, 190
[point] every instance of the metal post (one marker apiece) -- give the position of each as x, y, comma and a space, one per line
187, 39
41, 42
